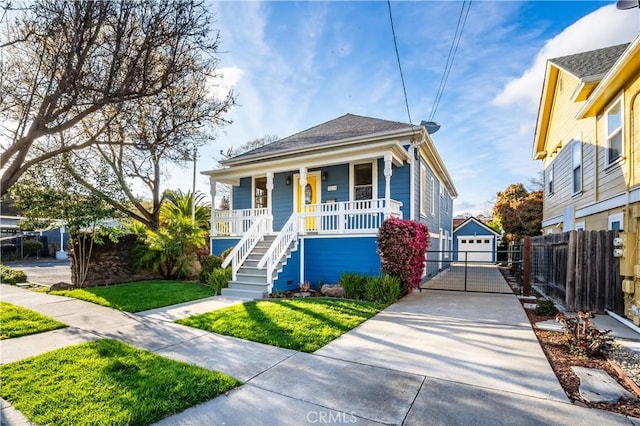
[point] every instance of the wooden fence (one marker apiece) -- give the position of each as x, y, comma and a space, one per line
576, 268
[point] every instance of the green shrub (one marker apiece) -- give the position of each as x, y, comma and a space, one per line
219, 278
225, 253
31, 247
384, 289
355, 285
12, 276
546, 308
208, 263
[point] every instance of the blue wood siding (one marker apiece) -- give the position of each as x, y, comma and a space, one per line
289, 278
325, 259
282, 199
218, 245
432, 265
242, 194
401, 187
337, 176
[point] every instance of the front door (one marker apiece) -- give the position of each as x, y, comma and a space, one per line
307, 199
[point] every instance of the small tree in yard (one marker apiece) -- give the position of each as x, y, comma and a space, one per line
402, 245
48, 194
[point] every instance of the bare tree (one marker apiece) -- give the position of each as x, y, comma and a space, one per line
63, 62
166, 128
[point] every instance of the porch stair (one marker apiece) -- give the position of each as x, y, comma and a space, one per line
251, 282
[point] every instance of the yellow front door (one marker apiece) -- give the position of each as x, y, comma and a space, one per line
307, 200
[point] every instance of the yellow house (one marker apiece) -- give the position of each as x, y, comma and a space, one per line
588, 138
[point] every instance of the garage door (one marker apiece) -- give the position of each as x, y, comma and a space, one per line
478, 248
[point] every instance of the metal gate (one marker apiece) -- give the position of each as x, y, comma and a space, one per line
455, 272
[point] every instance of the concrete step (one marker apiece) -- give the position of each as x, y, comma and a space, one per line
243, 294
244, 285
251, 278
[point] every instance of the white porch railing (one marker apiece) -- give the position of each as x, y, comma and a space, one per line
234, 222
279, 248
347, 216
256, 232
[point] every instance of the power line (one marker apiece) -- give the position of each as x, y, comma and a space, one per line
450, 57
395, 43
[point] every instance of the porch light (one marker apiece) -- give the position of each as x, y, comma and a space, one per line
324, 176
288, 180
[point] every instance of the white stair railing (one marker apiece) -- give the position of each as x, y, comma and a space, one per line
256, 232
279, 248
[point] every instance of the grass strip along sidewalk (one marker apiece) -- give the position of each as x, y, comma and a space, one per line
140, 296
16, 321
106, 382
303, 325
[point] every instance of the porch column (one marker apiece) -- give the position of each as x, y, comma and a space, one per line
303, 182
387, 184
212, 191
269, 198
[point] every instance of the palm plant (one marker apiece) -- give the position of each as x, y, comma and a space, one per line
172, 249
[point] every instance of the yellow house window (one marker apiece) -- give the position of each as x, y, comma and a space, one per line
423, 190
576, 155
614, 132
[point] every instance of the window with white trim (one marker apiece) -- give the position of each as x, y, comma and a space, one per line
260, 193
550, 180
616, 222
614, 132
433, 196
423, 190
576, 161
579, 226
363, 181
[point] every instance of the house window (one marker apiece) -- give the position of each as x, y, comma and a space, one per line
616, 222
576, 155
433, 197
446, 244
423, 190
550, 181
579, 226
260, 193
614, 132
363, 181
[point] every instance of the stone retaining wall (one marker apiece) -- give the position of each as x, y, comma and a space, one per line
112, 263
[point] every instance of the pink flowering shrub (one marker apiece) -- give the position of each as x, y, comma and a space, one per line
402, 245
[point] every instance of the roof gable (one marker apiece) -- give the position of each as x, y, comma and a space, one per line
473, 220
590, 65
345, 127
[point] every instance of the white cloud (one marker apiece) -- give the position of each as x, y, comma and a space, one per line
225, 80
605, 27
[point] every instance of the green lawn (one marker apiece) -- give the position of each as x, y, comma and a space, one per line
300, 324
16, 321
140, 296
106, 382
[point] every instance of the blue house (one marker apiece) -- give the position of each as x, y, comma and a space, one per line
475, 242
308, 207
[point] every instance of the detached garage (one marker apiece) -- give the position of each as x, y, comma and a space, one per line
477, 240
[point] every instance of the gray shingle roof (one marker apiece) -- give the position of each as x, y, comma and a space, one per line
345, 127
591, 64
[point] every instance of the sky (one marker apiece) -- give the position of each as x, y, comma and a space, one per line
293, 65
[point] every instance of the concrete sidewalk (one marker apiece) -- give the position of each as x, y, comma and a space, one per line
434, 357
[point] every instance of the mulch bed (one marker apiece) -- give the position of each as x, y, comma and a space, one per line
561, 360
